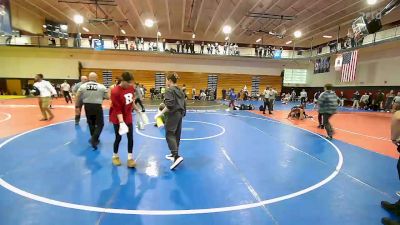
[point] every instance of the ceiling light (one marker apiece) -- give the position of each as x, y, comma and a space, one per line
258, 40
78, 19
227, 29
327, 36
297, 34
289, 42
193, 35
44, 26
149, 23
371, 2
85, 29
123, 31
226, 38
63, 27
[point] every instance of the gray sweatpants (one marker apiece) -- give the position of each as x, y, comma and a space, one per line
327, 124
173, 129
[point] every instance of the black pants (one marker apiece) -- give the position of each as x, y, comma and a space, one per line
270, 104
173, 130
327, 124
320, 119
118, 137
78, 110
302, 100
138, 100
95, 120
67, 96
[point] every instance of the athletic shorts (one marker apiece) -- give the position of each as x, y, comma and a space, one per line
44, 102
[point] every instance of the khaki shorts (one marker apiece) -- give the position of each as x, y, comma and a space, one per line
44, 102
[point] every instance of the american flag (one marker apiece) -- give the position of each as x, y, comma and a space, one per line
349, 66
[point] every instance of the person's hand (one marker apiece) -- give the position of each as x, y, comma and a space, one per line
123, 128
157, 115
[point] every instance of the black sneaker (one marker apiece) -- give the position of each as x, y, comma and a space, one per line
394, 208
176, 162
387, 221
329, 138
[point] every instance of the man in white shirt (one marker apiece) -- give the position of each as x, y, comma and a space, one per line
269, 99
303, 96
66, 88
44, 90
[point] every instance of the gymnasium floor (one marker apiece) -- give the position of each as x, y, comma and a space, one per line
240, 167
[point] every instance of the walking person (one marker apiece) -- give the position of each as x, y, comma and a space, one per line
389, 101
328, 103
122, 96
44, 90
139, 96
78, 101
174, 112
93, 94
66, 88
341, 99
232, 98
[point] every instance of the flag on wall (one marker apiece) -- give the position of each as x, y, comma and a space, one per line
349, 66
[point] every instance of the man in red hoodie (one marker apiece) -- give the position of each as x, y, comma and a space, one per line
122, 97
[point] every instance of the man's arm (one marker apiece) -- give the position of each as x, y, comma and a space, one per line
51, 89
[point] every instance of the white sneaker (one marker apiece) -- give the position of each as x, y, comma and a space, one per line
398, 193
177, 161
170, 157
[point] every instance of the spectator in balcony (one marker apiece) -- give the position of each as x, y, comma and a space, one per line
137, 43
178, 46
356, 100
260, 51
208, 48
192, 47
90, 39
164, 44
256, 50
389, 101
126, 42
350, 38
183, 46
8, 39
150, 46
132, 46
236, 49
115, 41
141, 44
202, 47
216, 48
187, 44
225, 48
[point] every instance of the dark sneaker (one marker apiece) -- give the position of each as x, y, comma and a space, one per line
387, 221
394, 208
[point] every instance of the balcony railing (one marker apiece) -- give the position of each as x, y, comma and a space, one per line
392, 34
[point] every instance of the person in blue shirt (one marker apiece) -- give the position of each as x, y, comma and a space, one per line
232, 97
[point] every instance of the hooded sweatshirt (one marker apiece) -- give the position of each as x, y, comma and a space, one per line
175, 99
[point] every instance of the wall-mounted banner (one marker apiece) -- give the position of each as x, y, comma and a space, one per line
338, 62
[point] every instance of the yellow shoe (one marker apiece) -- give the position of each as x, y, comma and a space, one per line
116, 161
131, 163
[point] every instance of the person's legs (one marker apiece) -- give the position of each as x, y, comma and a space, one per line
171, 125
265, 105
99, 122
78, 110
178, 133
46, 108
320, 121
117, 139
69, 97
327, 124
40, 103
90, 118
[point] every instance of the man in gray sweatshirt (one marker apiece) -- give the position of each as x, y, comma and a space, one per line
328, 103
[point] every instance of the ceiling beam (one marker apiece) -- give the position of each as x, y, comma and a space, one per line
229, 17
310, 17
256, 20
213, 17
198, 16
318, 21
168, 19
